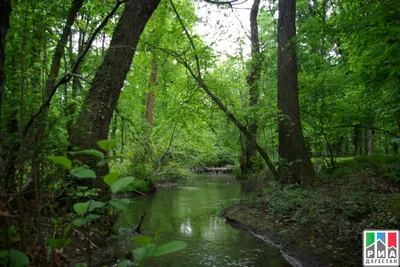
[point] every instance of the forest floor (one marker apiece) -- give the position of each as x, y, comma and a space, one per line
323, 225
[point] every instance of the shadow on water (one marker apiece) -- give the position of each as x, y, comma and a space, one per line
191, 214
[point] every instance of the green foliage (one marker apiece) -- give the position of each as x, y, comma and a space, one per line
170, 247
348, 57
88, 206
142, 239
120, 203
110, 178
285, 199
14, 258
150, 250
63, 161
173, 173
140, 185
91, 152
121, 184
85, 210
84, 220
107, 145
58, 243
82, 173
141, 172
394, 207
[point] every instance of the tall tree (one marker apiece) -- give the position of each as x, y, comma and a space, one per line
252, 80
296, 164
5, 11
197, 75
93, 122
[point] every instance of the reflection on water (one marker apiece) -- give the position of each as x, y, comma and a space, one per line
191, 214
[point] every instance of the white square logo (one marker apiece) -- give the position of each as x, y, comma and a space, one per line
381, 248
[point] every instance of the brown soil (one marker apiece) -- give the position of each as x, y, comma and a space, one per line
307, 246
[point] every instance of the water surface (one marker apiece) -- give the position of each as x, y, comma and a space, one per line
191, 214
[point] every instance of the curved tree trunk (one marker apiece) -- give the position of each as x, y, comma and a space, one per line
93, 122
296, 164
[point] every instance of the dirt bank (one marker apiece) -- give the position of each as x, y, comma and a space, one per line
323, 225
302, 246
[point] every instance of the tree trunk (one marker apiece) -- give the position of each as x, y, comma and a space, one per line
252, 81
371, 133
10, 160
395, 146
150, 94
216, 100
150, 111
93, 122
357, 141
365, 142
296, 166
39, 132
5, 11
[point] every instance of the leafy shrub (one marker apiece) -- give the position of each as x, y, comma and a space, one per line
284, 199
91, 210
173, 173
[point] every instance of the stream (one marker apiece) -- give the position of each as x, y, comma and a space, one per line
191, 214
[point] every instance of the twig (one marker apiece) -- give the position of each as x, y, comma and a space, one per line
137, 228
137, 191
80, 77
87, 239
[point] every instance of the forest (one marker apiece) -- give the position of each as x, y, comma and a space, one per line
197, 132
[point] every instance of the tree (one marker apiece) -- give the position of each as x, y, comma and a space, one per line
93, 122
296, 164
253, 82
5, 11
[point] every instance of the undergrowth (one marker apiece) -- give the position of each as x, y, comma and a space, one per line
357, 194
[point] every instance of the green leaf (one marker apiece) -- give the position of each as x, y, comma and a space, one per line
116, 157
88, 206
66, 242
157, 235
121, 184
67, 230
3, 254
111, 178
142, 239
79, 221
125, 263
101, 163
170, 247
4, 257
18, 259
120, 204
107, 145
12, 231
54, 242
63, 161
91, 217
82, 173
142, 253
80, 265
88, 218
91, 152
